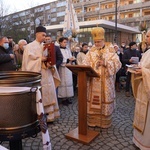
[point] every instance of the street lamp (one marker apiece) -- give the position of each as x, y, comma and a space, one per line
116, 10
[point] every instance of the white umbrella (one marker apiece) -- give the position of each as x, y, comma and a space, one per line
71, 26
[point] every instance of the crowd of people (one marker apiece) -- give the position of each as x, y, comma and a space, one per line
108, 59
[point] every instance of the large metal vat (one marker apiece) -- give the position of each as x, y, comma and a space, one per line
18, 117
19, 78
18, 107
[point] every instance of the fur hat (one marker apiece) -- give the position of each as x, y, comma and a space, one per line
40, 29
98, 33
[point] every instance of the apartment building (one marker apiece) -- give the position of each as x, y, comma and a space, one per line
129, 12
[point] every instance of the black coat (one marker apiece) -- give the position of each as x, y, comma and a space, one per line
59, 57
6, 62
128, 54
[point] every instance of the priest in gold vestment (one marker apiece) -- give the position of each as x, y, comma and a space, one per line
141, 91
101, 91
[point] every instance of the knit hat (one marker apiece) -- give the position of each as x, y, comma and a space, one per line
132, 43
40, 29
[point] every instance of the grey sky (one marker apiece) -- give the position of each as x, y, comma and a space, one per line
18, 5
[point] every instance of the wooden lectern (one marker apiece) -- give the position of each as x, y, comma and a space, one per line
82, 133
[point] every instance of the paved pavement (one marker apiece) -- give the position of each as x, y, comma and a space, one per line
117, 137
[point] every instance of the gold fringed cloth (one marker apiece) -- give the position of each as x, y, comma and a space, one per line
99, 108
135, 81
101, 91
141, 106
54, 73
42, 121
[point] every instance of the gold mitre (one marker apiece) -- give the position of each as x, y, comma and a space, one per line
98, 33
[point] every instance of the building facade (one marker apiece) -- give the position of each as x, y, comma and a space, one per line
129, 12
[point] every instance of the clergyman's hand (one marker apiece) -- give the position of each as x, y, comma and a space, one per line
138, 71
48, 65
44, 58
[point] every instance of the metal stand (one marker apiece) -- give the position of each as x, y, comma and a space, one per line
15, 136
15, 145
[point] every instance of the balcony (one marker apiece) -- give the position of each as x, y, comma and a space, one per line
78, 5
134, 6
111, 10
91, 13
89, 3
106, 11
79, 15
85, 4
98, 12
134, 19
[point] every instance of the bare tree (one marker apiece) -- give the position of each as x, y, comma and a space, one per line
21, 24
3, 12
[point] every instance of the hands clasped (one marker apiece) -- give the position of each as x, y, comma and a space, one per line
100, 63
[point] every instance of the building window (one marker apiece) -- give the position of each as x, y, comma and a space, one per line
15, 23
137, 14
32, 23
27, 12
23, 29
53, 19
29, 28
60, 4
28, 20
130, 15
22, 14
53, 10
32, 15
78, 11
47, 7
77, 1
97, 9
7, 18
32, 31
110, 6
60, 14
139, 1
110, 18
15, 16
89, 9
147, 13
39, 9
130, 2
